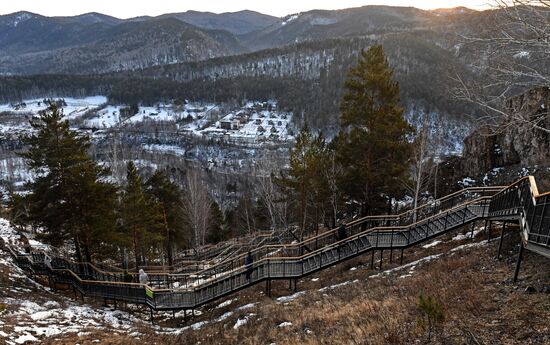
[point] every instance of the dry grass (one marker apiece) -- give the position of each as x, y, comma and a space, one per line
474, 289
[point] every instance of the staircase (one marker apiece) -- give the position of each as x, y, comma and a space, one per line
165, 291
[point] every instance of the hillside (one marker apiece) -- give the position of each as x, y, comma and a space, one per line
237, 23
126, 46
301, 61
320, 25
480, 303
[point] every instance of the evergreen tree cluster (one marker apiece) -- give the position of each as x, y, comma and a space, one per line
73, 201
363, 167
312, 90
365, 163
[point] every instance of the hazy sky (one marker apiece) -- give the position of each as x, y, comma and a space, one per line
133, 8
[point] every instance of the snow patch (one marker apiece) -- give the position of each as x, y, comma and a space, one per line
289, 19
332, 287
432, 244
292, 297
225, 304
247, 306
224, 316
24, 338
240, 322
521, 55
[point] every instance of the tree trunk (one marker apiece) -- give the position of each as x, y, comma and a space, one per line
168, 247
77, 249
136, 253
390, 209
87, 252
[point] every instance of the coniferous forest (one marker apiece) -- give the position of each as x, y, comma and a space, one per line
77, 202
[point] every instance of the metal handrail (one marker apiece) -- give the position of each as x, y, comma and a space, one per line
327, 234
400, 231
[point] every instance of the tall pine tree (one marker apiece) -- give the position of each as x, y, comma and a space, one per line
141, 218
70, 198
304, 184
373, 145
167, 196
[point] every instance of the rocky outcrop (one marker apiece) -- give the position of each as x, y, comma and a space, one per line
517, 140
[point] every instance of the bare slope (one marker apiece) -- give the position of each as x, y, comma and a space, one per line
349, 303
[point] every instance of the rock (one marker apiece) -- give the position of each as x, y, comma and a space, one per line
511, 142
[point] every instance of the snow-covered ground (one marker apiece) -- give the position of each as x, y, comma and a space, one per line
33, 313
251, 123
74, 107
252, 126
193, 131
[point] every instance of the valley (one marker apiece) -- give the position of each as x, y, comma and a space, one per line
369, 174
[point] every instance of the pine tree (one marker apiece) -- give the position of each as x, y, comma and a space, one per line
217, 231
304, 184
168, 197
373, 145
69, 197
141, 219
18, 207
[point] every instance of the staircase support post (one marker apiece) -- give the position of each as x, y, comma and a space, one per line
152, 319
473, 227
372, 260
501, 239
268, 287
295, 284
381, 257
391, 247
402, 250
488, 229
518, 263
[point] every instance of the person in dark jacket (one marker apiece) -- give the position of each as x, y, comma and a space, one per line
128, 277
342, 232
341, 235
26, 244
248, 264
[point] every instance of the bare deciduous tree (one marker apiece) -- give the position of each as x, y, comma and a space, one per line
197, 207
268, 191
332, 174
421, 162
518, 51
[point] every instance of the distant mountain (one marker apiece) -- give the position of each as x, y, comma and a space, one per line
321, 24
237, 23
301, 60
126, 46
96, 18
25, 32
96, 43
453, 11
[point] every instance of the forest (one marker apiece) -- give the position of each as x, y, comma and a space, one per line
153, 215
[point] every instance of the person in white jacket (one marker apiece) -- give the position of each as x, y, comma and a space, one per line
143, 278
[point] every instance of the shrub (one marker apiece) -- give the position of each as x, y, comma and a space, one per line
432, 316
